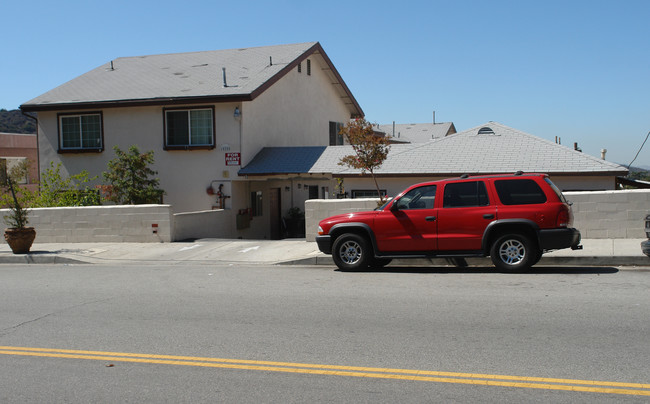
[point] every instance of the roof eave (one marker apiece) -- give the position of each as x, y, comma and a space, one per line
135, 102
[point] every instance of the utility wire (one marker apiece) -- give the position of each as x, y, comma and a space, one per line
637, 153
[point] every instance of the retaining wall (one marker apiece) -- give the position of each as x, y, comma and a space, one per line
92, 224
598, 214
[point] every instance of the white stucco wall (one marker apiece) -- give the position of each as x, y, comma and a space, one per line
295, 111
184, 175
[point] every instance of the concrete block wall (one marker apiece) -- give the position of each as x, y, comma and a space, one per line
89, 224
319, 209
597, 214
204, 224
610, 214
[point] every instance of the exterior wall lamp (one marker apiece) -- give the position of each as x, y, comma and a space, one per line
237, 113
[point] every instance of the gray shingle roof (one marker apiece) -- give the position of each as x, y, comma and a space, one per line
417, 132
283, 160
194, 76
507, 150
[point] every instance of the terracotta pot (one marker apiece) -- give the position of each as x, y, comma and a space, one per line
20, 240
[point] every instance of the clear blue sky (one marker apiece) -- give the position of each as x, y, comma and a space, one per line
579, 70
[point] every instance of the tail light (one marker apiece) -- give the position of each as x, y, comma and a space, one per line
563, 217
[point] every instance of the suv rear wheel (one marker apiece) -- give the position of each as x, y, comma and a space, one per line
351, 252
513, 253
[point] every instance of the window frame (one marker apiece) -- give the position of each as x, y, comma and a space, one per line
189, 146
81, 149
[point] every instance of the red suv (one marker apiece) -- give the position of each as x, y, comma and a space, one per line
513, 219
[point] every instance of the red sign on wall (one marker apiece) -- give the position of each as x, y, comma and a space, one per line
233, 159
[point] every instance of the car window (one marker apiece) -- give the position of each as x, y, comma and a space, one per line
465, 194
556, 190
418, 198
519, 192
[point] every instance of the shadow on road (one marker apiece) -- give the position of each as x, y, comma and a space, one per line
486, 270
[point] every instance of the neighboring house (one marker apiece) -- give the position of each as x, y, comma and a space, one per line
205, 115
491, 148
18, 147
417, 132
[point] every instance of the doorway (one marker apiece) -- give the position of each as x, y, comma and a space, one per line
275, 213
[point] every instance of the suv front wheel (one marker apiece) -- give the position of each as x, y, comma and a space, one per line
351, 252
513, 253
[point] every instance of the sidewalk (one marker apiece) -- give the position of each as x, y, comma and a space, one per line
596, 252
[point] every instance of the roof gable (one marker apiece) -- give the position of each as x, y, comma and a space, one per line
210, 76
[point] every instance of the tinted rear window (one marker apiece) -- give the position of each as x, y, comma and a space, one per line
519, 192
465, 194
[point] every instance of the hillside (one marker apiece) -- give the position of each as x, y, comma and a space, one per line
15, 122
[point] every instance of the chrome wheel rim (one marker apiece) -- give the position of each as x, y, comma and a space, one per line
512, 252
350, 252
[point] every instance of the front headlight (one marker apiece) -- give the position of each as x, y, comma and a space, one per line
320, 231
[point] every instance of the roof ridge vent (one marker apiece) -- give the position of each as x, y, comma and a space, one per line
486, 130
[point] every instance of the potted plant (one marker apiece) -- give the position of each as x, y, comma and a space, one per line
18, 235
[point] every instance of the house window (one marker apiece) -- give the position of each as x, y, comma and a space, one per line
79, 132
256, 203
189, 128
308, 67
336, 139
299, 67
367, 193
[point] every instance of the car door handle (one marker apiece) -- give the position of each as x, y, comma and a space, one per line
430, 218
488, 216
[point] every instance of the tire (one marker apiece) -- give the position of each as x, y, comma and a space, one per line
351, 252
513, 253
378, 263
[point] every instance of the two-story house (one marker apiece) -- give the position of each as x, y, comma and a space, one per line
205, 115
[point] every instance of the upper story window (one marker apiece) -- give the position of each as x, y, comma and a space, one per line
336, 138
189, 128
80, 132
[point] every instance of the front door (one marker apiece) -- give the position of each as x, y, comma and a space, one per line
410, 226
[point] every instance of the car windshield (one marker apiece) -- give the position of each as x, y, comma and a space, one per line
382, 207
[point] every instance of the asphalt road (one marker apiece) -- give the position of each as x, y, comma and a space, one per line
97, 333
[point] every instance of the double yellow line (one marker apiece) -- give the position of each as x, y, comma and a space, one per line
639, 389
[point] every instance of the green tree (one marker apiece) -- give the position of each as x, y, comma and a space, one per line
370, 150
130, 179
71, 191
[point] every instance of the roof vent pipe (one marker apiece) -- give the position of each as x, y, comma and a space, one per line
434, 117
393, 128
223, 70
602, 153
270, 60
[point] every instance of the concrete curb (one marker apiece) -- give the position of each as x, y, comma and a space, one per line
486, 262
